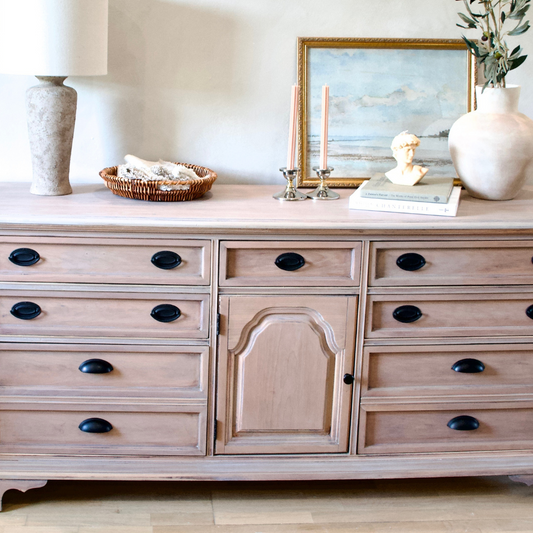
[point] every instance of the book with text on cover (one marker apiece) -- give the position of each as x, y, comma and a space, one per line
435, 190
448, 209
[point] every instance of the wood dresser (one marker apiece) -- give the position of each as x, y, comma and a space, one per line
236, 337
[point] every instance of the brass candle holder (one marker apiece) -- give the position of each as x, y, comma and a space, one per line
290, 194
323, 192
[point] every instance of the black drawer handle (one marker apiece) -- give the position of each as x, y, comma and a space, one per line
407, 314
411, 262
463, 423
529, 311
24, 257
25, 310
166, 260
348, 379
165, 313
290, 261
95, 425
96, 366
468, 366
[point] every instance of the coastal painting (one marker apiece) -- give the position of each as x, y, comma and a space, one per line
377, 90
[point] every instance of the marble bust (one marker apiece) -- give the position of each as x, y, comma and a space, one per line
403, 149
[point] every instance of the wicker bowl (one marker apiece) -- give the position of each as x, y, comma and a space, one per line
149, 190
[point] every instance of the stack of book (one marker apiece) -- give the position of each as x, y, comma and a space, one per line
431, 196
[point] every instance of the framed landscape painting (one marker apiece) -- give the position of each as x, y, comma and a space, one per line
379, 88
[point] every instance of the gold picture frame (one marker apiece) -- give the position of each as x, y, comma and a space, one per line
316, 64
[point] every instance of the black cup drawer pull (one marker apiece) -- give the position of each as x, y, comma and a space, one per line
468, 366
166, 260
25, 310
96, 366
24, 257
290, 261
165, 313
407, 314
95, 425
463, 423
529, 311
411, 262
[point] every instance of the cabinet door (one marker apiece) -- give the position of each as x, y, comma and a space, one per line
280, 378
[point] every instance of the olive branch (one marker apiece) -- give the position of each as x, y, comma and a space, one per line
493, 18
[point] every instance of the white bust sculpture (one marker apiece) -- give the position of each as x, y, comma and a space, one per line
403, 149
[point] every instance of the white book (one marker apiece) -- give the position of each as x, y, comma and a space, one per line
403, 206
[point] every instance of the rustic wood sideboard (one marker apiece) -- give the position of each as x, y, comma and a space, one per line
237, 338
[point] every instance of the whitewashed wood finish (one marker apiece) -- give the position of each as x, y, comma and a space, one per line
395, 372
54, 430
240, 214
101, 314
22, 484
421, 429
526, 480
445, 315
454, 263
252, 263
246, 209
164, 371
90, 260
281, 364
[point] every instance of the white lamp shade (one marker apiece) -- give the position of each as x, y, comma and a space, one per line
53, 37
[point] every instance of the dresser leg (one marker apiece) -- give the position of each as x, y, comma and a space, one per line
19, 484
528, 479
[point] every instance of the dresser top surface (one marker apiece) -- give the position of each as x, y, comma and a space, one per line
244, 207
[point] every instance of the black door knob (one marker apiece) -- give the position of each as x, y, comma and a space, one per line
529, 311
96, 366
24, 257
95, 425
463, 423
348, 379
290, 261
468, 366
411, 262
166, 260
165, 313
25, 310
407, 314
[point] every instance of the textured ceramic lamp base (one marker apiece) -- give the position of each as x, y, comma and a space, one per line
51, 111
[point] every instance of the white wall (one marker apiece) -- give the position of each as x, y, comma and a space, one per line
208, 81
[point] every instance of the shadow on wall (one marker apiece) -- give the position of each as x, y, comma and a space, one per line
159, 53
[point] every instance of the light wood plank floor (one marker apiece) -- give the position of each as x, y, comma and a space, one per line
473, 505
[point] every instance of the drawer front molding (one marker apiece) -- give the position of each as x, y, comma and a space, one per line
91, 260
451, 263
293, 264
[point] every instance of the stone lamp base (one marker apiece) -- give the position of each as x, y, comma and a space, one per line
51, 113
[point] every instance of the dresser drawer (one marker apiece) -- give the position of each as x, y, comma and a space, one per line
290, 264
90, 260
181, 432
451, 263
415, 371
406, 429
444, 315
104, 314
92, 370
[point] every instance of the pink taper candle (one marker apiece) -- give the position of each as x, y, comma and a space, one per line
292, 127
324, 135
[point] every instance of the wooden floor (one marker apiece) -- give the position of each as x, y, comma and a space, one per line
408, 506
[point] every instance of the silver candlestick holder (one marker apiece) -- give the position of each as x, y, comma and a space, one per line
290, 194
323, 192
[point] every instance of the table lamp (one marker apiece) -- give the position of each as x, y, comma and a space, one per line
52, 39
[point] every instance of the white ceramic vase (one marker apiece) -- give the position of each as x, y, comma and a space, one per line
492, 147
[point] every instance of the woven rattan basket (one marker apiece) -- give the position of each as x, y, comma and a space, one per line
149, 190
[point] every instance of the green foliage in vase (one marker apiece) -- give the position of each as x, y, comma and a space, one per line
496, 19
